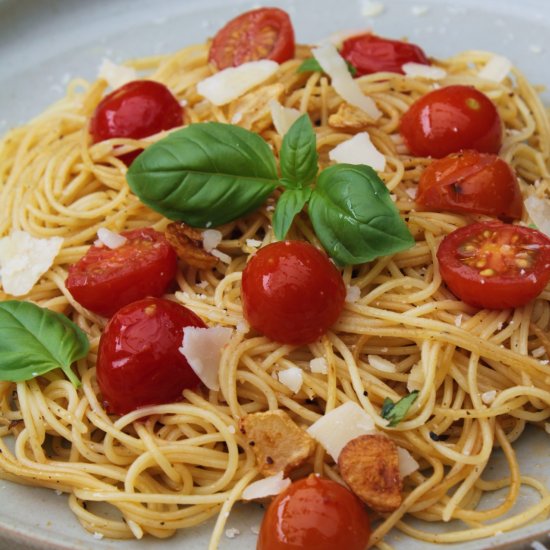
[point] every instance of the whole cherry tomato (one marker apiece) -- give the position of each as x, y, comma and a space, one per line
495, 265
369, 53
449, 119
136, 110
105, 279
473, 183
292, 292
315, 514
264, 33
139, 362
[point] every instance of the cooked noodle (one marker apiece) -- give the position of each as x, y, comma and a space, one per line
173, 466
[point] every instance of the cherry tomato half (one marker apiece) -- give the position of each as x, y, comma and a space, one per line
369, 54
106, 279
449, 119
471, 182
495, 265
315, 514
136, 110
139, 362
292, 292
264, 33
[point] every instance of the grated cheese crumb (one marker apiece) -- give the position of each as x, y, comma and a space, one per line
211, 238
98, 536
489, 396
232, 532
318, 365
253, 243
353, 293
292, 378
458, 320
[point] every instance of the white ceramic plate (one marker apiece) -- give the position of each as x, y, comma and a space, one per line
43, 44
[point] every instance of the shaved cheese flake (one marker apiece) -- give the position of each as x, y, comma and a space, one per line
381, 364
110, 239
231, 83
539, 212
254, 243
359, 150
407, 464
347, 88
225, 258
339, 426
353, 293
24, 259
267, 487
420, 70
202, 347
371, 9
116, 75
283, 117
318, 365
292, 378
496, 68
211, 238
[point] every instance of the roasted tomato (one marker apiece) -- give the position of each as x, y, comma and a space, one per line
136, 110
369, 53
315, 513
139, 362
264, 33
106, 279
292, 292
472, 183
494, 265
450, 119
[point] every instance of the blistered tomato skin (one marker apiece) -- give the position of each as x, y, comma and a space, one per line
264, 33
315, 514
369, 54
450, 119
105, 279
472, 183
495, 265
291, 292
139, 362
136, 110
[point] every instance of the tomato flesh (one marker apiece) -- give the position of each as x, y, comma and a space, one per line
105, 279
495, 265
317, 514
450, 119
473, 183
139, 362
292, 292
369, 54
264, 33
136, 110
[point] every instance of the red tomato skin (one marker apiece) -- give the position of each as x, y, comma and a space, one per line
136, 110
369, 54
264, 33
473, 183
291, 292
315, 514
450, 119
104, 280
512, 286
138, 362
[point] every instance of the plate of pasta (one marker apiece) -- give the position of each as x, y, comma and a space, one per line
274, 276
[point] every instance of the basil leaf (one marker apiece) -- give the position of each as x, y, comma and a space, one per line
354, 217
298, 157
311, 65
206, 174
36, 340
289, 204
395, 412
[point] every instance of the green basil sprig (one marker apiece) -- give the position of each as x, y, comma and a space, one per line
395, 412
211, 173
36, 340
311, 65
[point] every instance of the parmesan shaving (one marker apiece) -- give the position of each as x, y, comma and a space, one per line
407, 464
231, 83
267, 487
24, 259
318, 365
292, 378
496, 68
110, 239
345, 86
539, 212
420, 70
202, 347
116, 75
211, 238
353, 293
283, 117
359, 150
